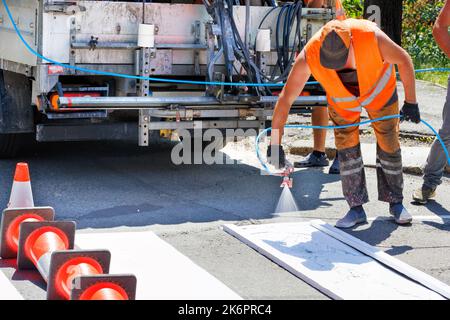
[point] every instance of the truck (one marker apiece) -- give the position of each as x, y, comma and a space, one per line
120, 70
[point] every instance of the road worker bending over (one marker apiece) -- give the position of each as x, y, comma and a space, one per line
354, 62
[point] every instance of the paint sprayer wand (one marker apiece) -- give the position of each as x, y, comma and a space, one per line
286, 174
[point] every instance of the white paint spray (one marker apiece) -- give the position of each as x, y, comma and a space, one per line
286, 203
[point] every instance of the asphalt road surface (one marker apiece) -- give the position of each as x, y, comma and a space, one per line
119, 186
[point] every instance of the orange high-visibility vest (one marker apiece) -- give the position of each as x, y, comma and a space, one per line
377, 79
340, 11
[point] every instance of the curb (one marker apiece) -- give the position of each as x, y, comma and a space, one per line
331, 153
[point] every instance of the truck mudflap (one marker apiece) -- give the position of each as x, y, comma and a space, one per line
16, 112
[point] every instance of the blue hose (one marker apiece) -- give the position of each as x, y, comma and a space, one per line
432, 70
128, 76
300, 126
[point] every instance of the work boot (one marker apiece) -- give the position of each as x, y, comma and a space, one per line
335, 167
355, 216
401, 215
314, 159
424, 194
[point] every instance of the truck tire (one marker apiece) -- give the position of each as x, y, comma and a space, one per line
15, 144
8, 145
11, 144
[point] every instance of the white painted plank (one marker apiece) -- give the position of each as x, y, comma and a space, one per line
7, 290
327, 264
162, 272
409, 271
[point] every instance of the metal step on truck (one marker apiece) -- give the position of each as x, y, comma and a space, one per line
112, 70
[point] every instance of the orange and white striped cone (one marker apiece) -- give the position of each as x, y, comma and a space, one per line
21, 193
340, 11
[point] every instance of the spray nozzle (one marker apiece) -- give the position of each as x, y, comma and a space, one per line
287, 180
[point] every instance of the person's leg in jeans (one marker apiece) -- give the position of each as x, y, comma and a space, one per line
437, 160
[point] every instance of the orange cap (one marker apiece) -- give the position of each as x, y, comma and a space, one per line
22, 173
336, 39
341, 28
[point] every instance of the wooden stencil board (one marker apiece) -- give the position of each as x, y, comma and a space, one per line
329, 265
7, 290
162, 272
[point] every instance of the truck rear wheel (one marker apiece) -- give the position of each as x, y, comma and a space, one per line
9, 145
16, 144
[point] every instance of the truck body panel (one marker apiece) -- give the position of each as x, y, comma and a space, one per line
103, 36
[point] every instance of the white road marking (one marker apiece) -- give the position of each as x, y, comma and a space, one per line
7, 290
420, 218
298, 214
387, 260
334, 268
162, 272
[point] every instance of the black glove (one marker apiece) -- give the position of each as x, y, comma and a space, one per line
276, 156
410, 112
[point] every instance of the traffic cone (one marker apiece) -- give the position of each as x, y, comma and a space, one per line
340, 11
21, 194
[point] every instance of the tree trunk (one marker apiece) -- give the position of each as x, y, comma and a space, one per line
390, 16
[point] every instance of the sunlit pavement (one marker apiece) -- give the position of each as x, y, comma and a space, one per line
117, 186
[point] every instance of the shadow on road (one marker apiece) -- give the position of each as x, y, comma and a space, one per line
112, 184
32, 276
308, 188
378, 231
437, 208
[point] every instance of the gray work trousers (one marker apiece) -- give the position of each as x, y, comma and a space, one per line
437, 160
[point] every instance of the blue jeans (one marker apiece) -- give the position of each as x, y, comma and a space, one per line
436, 162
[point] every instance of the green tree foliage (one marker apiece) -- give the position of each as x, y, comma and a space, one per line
417, 34
353, 8
418, 20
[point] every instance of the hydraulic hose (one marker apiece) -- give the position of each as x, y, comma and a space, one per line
128, 76
300, 126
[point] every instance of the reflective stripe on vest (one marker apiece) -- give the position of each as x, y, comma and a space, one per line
380, 86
